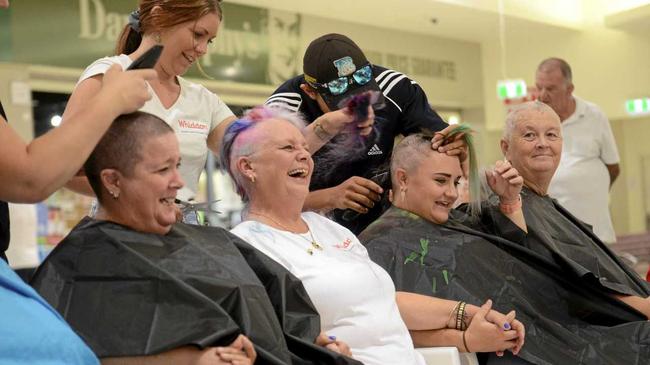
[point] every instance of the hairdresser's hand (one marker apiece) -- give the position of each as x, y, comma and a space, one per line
484, 335
505, 181
125, 91
355, 193
331, 343
335, 122
455, 146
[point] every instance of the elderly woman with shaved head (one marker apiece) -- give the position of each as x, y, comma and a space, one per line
532, 142
619, 304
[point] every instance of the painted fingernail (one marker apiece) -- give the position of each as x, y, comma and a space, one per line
333, 338
506, 326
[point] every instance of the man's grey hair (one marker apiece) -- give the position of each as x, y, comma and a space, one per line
516, 114
563, 65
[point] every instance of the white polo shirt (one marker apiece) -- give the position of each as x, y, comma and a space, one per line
581, 182
354, 296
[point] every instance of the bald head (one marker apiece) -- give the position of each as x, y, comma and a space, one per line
120, 147
523, 112
409, 153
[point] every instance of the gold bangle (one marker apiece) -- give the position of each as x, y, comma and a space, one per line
465, 342
453, 310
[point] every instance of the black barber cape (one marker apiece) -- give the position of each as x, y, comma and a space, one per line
128, 293
556, 234
566, 321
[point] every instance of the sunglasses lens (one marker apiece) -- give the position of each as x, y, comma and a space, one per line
338, 86
363, 75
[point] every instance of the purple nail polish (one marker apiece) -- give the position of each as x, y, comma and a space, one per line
333, 338
506, 326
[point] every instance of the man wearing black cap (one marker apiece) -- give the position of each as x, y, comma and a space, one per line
334, 69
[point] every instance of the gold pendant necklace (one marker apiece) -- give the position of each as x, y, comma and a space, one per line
314, 245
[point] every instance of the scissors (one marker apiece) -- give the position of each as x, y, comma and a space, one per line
205, 207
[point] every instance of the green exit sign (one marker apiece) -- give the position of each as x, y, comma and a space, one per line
511, 89
638, 106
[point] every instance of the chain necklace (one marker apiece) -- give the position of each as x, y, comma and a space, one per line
314, 245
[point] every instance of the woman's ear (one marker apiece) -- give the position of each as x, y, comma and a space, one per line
110, 179
402, 179
504, 147
245, 168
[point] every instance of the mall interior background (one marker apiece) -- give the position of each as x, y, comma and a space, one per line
456, 50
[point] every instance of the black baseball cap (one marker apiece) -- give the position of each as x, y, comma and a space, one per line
332, 56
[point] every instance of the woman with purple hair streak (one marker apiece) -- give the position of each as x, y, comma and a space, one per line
269, 160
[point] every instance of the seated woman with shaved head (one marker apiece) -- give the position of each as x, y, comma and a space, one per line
532, 141
267, 156
140, 288
425, 252
431, 249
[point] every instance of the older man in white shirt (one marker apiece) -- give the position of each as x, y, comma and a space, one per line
589, 164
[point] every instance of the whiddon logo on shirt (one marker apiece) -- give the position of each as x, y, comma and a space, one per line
345, 245
190, 126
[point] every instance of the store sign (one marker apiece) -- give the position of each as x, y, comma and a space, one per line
416, 66
254, 45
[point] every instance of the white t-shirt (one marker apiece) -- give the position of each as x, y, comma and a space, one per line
581, 182
196, 112
354, 296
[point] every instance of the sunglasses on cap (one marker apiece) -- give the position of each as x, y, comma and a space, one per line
340, 85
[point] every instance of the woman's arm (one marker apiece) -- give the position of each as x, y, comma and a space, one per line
330, 124
638, 303
421, 312
505, 181
216, 136
33, 171
487, 332
82, 93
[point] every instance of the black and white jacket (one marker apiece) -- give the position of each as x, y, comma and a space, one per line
406, 111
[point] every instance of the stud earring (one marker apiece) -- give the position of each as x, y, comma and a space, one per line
252, 177
114, 194
157, 38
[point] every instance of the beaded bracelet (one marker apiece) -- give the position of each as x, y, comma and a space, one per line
460, 317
